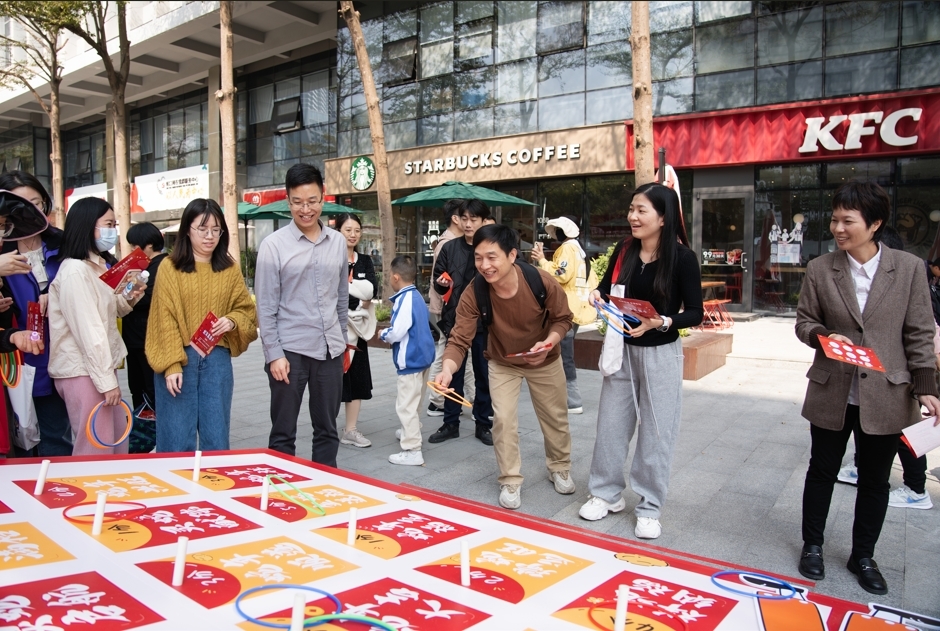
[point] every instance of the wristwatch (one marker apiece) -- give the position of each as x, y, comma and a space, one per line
667, 322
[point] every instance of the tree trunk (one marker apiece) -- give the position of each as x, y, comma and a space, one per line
642, 94
55, 140
226, 98
382, 185
122, 183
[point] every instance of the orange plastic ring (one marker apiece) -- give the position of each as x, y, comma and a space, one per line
92, 434
448, 393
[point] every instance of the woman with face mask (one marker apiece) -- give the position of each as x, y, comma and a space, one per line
85, 344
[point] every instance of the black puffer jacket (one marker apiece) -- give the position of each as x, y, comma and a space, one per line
455, 258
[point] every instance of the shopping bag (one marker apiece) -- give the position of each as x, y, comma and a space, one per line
612, 352
26, 434
144, 433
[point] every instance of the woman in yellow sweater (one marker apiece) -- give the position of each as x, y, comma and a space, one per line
194, 392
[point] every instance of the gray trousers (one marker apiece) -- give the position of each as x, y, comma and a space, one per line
571, 372
649, 380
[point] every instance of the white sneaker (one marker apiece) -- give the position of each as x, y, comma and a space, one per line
355, 438
577, 410
510, 496
848, 474
398, 431
410, 457
596, 508
563, 482
648, 528
904, 497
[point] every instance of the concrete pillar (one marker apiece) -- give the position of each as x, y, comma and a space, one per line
109, 151
215, 135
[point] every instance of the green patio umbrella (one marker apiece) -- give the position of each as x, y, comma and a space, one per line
436, 197
281, 210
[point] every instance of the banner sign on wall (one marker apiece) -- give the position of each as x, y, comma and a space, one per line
72, 195
169, 190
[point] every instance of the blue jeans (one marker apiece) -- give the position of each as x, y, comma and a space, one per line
203, 406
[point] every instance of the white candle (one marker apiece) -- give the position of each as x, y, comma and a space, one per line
464, 564
351, 530
620, 618
196, 466
297, 612
264, 495
99, 513
179, 565
41, 480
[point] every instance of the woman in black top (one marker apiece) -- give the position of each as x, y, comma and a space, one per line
357, 381
645, 384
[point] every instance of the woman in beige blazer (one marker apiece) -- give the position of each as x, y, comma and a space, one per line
871, 296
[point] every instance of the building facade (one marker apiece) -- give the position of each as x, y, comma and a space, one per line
764, 108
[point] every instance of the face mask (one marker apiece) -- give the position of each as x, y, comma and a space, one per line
107, 240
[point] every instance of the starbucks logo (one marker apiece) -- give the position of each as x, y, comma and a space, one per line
362, 173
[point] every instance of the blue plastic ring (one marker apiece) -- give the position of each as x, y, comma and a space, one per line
94, 431
751, 594
275, 625
312, 622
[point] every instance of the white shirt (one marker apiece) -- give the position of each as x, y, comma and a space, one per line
862, 276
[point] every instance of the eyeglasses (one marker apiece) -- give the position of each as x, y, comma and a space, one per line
305, 205
215, 233
6, 229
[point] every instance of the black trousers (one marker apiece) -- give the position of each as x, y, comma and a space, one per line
915, 469
875, 456
325, 379
140, 378
482, 403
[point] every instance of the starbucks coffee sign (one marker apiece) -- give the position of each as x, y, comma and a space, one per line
362, 173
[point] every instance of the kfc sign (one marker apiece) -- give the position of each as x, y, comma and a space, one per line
819, 131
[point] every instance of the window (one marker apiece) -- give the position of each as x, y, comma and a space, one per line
670, 16
400, 102
853, 27
560, 112
609, 65
725, 46
437, 96
714, 10
561, 73
319, 105
403, 135
614, 104
862, 73
474, 89
401, 25
475, 44
792, 82
921, 23
470, 10
723, 91
286, 115
353, 112
792, 36
516, 118
671, 55
608, 22
261, 102
516, 81
560, 25
919, 66
474, 124
398, 63
435, 130
437, 40
516, 30
672, 97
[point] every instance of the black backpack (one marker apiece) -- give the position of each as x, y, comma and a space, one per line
481, 290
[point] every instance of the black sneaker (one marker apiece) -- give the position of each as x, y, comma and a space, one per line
446, 432
433, 410
484, 434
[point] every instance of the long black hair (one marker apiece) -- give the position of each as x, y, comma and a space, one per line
78, 239
182, 256
15, 179
666, 203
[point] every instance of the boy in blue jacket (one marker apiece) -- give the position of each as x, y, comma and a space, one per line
409, 333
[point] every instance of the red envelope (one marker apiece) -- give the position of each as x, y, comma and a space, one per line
202, 340
34, 320
131, 265
527, 353
850, 354
631, 306
450, 288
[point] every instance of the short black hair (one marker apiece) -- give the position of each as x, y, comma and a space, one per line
302, 173
145, 233
182, 256
475, 208
16, 178
451, 209
505, 237
891, 238
78, 238
935, 263
867, 198
405, 267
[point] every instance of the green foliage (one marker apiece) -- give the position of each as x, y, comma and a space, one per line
601, 261
383, 312
249, 258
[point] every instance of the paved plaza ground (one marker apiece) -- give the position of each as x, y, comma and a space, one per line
737, 477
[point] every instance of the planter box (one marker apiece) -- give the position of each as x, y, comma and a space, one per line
704, 352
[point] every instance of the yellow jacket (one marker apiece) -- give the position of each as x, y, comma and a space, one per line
569, 268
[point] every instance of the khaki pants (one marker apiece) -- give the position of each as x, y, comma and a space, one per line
549, 398
410, 394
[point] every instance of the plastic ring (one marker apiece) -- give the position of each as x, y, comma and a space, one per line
752, 594
275, 625
92, 434
107, 520
296, 500
447, 393
316, 620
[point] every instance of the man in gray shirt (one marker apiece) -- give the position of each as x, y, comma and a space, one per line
302, 291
